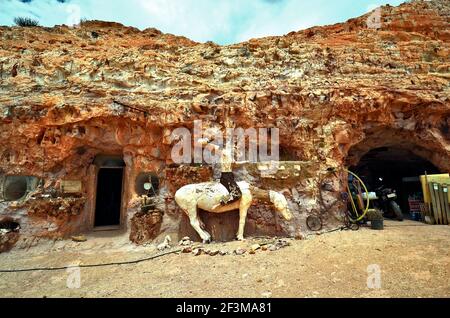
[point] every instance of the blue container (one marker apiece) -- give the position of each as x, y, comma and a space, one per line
416, 216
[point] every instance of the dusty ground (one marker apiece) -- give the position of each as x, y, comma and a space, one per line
413, 257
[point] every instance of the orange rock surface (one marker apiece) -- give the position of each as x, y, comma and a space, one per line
335, 92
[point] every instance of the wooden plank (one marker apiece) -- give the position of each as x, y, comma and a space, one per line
443, 210
438, 202
433, 202
425, 190
425, 179
71, 186
446, 202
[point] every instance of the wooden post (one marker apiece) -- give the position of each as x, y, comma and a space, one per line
447, 206
433, 203
440, 194
437, 197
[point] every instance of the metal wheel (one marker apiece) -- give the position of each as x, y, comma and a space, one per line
314, 223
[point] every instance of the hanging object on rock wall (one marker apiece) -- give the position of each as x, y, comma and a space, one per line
17, 187
71, 186
148, 204
148, 186
314, 223
147, 183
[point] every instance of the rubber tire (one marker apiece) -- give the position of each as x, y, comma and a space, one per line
397, 210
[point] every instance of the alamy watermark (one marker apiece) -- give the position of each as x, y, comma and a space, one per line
250, 145
74, 276
374, 276
74, 15
374, 19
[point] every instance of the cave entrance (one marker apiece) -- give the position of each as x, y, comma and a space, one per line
109, 190
398, 168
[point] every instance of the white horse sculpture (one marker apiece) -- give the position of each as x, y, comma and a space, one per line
207, 196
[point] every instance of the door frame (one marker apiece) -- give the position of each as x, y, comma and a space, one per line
115, 226
93, 172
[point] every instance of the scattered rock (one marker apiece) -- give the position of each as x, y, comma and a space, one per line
280, 243
166, 244
186, 249
197, 252
240, 251
255, 247
223, 253
264, 248
299, 237
213, 252
267, 294
79, 238
185, 241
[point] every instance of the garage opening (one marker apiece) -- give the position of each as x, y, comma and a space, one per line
109, 197
396, 168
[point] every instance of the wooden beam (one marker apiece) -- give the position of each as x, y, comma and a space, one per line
433, 203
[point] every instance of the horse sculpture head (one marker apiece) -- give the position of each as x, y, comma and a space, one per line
281, 205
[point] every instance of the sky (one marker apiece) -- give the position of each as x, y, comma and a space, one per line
220, 21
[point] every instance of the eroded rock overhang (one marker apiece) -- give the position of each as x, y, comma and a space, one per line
335, 93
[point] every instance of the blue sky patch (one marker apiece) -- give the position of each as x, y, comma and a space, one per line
221, 21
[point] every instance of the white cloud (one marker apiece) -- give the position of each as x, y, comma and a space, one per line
222, 21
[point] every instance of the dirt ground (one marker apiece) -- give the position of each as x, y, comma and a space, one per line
413, 258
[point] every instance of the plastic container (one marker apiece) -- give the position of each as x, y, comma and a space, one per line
416, 216
377, 224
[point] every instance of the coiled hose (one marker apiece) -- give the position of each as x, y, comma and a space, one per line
359, 217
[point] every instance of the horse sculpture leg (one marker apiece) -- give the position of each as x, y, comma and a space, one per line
195, 223
245, 204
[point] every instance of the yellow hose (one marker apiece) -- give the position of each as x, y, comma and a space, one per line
360, 217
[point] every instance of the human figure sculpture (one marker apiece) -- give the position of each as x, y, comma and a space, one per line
227, 178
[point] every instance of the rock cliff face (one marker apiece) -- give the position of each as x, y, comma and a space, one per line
70, 95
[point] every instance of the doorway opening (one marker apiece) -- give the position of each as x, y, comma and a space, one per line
397, 168
109, 197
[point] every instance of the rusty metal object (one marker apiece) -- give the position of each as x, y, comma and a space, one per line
314, 223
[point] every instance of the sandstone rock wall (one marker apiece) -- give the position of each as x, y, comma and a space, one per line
68, 95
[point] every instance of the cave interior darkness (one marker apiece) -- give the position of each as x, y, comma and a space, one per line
400, 169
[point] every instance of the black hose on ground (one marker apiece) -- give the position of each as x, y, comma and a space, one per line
88, 265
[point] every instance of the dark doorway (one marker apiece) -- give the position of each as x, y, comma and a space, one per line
398, 168
109, 197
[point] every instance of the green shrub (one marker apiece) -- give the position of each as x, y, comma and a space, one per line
26, 22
